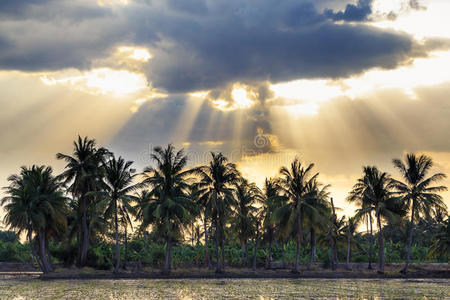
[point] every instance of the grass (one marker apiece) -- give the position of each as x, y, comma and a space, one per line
226, 289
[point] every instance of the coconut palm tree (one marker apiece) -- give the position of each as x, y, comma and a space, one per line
35, 203
215, 189
247, 195
83, 175
334, 232
363, 213
271, 200
316, 212
117, 194
170, 207
142, 198
377, 190
441, 240
350, 229
293, 185
417, 190
257, 219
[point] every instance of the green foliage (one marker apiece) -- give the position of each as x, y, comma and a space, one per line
13, 251
153, 255
65, 253
174, 202
8, 236
100, 257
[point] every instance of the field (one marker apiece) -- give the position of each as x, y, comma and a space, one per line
226, 289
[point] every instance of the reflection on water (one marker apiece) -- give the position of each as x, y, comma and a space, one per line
227, 289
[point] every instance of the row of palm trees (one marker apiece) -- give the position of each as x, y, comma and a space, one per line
378, 194
98, 192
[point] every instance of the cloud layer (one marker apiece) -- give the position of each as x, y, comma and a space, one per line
203, 44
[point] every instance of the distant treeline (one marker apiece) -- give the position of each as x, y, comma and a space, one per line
99, 212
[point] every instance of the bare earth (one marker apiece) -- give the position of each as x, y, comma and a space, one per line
226, 289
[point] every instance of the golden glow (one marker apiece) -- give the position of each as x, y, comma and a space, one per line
140, 54
304, 96
308, 94
298, 110
100, 81
199, 94
422, 72
211, 143
420, 23
307, 90
221, 105
240, 98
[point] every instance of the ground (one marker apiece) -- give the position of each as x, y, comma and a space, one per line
225, 289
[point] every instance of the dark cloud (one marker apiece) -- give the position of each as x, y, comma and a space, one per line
15, 8
51, 10
192, 7
353, 13
203, 44
214, 58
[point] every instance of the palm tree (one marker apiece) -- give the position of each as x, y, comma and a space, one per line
142, 199
35, 203
170, 207
418, 194
117, 191
216, 196
247, 195
350, 229
257, 219
82, 176
271, 200
293, 185
335, 226
441, 240
316, 210
376, 189
363, 213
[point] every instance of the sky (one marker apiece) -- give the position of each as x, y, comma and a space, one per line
339, 83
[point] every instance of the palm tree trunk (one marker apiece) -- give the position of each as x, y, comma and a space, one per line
116, 228
371, 242
243, 261
313, 247
207, 258
410, 238
79, 246
166, 269
126, 249
333, 263
85, 242
336, 260
33, 251
256, 247
299, 241
145, 239
218, 268
41, 237
192, 234
348, 250
49, 257
381, 246
283, 254
332, 240
246, 255
269, 251
222, 245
